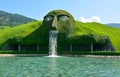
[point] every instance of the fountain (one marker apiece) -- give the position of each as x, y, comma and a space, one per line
61, 21
53, 43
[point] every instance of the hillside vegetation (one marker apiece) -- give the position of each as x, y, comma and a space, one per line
9, 19
100, 29
33, 33
18, 31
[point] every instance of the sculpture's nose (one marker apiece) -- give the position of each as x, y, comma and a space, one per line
54, 23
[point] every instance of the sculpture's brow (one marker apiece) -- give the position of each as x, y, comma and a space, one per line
62, 15
57, 14
50, 15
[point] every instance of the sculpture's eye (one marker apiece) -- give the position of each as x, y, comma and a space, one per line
48, 18
63, 18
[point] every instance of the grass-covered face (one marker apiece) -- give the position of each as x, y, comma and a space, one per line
59, 20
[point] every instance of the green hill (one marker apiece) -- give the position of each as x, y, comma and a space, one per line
33, 33
18, 31
9, 19
100, 29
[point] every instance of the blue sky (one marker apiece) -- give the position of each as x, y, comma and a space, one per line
108, 11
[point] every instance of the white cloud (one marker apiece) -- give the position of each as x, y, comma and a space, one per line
92, 19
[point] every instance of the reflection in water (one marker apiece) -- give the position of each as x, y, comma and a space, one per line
53, 67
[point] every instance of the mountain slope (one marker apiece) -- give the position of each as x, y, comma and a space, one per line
117, 25
32, 33
9, 19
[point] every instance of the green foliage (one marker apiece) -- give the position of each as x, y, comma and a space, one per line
85, 39
100, 29
108, 53
8, 19
24, 52
16, 34
36, 33
88, 39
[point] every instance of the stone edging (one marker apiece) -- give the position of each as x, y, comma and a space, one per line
35, 55
100, 56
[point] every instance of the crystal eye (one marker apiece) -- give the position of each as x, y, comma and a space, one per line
48, 18
63, 18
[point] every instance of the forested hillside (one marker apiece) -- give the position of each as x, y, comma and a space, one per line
9, 19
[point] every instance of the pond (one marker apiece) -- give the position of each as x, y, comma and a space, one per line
59, 67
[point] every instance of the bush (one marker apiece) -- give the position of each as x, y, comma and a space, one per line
23, 52
83, 39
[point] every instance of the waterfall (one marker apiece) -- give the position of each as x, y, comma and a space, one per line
53, 43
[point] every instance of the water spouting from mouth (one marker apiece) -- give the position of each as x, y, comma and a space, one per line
53, 43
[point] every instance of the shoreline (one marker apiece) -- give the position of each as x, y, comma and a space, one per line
40, 55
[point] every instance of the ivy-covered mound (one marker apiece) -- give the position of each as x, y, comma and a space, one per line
71, 32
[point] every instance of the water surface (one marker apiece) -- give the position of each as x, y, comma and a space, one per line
59, 67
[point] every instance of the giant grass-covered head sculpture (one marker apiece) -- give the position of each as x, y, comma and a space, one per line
59, 20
